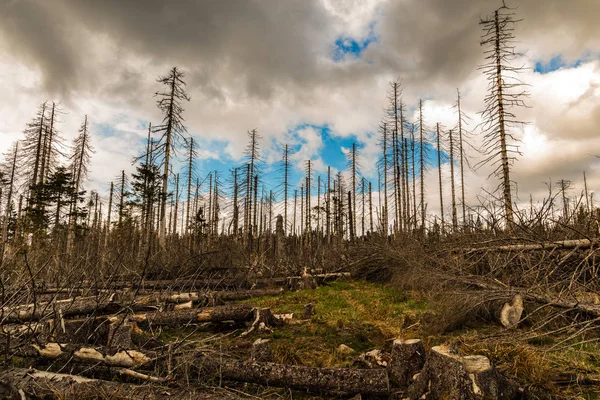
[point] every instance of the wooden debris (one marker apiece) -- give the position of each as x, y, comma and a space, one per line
335, 381
78, 353
264, 320
18, 383
510, 315
261, 350
343, 349
234, 312
447, 375
374, 359
64, 308
407, 359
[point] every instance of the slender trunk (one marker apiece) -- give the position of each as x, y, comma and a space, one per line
121, 198
587, 196
9, 202
175, 214
385, 217
295, 207
370, 208
235, 203
508, 209
439, 157
414, 181
285, 189
462, 154
454, 214
350, 211
422, 166
189, 186
165, 177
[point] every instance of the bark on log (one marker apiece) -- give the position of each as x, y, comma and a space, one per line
334, 381
234, 312
446, 375
61, 308
408, 358
20, 383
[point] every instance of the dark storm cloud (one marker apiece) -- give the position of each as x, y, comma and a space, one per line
259, 46
256, 44
33, 31
431, 42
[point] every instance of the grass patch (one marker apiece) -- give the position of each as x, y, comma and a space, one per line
360, 315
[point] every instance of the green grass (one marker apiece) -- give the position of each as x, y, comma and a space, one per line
360, 315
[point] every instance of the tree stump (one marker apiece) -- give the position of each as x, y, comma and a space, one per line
119, 333
308, 311
407, 359
261, 350
447, 375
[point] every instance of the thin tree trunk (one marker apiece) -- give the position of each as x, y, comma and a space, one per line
439, 157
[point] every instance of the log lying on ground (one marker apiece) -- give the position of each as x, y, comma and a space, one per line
590, 309
64, 308
561, 244
203, 284
212, 298
334, 381
33, 384
446, 375
233, 312
85, 354
96, 330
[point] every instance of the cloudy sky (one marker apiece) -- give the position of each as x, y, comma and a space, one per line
311, 73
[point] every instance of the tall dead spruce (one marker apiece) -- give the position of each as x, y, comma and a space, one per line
171, 131
505, 92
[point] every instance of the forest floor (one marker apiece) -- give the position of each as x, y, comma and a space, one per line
366, 316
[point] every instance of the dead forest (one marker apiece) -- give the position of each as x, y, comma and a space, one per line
227, 285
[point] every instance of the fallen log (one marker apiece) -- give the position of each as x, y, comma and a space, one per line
61, 308
547, 299
233, 312
447, 375
201, 284
18, 383
332, 381
561, 244
212, 298
112, 331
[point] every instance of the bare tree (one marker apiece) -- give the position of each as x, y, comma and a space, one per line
505, 91
171, 130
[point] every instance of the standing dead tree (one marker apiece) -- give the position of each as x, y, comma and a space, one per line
171, 130
82, 151
505, 91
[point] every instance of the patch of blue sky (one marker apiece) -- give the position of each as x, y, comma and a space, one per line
555, 63
345, 46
